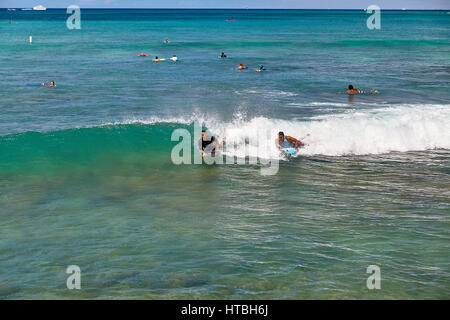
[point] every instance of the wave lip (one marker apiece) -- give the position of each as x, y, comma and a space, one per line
396, 128
399, 128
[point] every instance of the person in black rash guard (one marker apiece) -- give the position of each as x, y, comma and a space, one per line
207, 145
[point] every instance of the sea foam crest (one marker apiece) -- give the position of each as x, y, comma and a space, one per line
398, 128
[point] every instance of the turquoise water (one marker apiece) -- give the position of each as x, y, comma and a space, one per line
86, 176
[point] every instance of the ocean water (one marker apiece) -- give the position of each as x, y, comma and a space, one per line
86, 176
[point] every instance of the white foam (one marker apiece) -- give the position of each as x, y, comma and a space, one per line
267, 93
398, 128
332, 104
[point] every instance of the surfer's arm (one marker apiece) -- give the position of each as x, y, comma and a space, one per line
220, 146
277, 144
295, 141
200, 146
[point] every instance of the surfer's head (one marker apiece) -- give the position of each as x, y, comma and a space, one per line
203, 133
350, 87
281, 135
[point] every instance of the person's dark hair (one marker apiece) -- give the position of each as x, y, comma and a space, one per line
203, 130
350, 87
281, 133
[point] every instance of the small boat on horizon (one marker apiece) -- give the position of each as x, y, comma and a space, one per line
39, 8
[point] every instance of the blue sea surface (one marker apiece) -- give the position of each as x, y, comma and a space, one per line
86, 176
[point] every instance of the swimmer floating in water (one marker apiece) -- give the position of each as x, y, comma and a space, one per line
51, 85
166, 41
174, 58
241, 67
223, 55
261, 68
353, 90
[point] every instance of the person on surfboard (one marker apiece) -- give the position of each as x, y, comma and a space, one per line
353, 90
284, 142
208, 144
241, 67
51, 85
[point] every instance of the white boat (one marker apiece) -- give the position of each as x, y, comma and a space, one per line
40, 8
11, 9
26, 9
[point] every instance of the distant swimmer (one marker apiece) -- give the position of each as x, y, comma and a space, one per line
223, 55
208, 144
241, 67
231, 18
261, 68
174, 58
353, 90
158, 59
51, 85
285, 142
166, 41
142, 55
